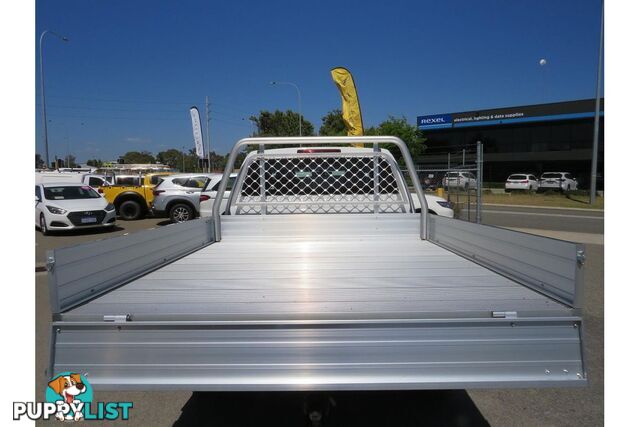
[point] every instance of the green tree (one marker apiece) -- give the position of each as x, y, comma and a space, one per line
280, 123
333, 124
171, 157
218, 162
191, 161
97, 163
239, 159
138, 157
401, 128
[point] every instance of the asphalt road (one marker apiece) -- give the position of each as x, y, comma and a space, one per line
526, 407
568, 220
62, 239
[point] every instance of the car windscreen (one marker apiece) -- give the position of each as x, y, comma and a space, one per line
70, 193
551, 175
519, 177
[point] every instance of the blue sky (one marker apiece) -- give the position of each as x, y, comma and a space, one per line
132, 69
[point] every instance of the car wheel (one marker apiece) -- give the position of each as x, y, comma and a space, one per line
130, 210
181, 213
43, 226
466, 186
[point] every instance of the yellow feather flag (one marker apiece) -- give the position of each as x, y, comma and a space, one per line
350, 104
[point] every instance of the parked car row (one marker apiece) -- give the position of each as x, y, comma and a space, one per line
562, 181
73, 201
186, 196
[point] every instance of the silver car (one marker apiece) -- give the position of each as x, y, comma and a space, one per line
177, 197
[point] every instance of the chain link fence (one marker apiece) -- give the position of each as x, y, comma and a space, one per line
455, 176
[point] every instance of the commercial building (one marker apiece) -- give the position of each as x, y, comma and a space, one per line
531, 138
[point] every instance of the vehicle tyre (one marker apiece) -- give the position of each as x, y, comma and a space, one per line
43, 226
181, 212
466, 186
130, 210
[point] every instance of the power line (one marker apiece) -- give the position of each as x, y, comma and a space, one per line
147, 101
214, 119
181, 111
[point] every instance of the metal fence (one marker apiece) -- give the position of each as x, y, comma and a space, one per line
456, 176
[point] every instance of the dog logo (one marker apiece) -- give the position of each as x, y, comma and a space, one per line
70, 392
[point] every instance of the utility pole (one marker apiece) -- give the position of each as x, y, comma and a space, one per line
208, 119
596, 120
44, 104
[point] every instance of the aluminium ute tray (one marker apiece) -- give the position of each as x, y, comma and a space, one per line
318, 267
321, 302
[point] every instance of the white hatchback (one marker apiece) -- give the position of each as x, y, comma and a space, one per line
521, 181
67, 206
562, 181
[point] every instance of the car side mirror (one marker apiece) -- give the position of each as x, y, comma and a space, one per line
38, 199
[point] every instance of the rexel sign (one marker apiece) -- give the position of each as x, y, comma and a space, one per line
434, 122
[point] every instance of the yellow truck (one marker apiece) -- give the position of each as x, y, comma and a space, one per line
132, 194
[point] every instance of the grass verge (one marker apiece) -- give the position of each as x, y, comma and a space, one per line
544, 200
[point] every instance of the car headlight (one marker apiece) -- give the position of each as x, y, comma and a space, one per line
445, 204
109, 207
57, 211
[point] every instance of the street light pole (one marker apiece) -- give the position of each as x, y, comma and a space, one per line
299, 102
208, 119
44, 107
596, 123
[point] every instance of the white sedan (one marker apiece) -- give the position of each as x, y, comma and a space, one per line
521, 181
437, 205
67, 206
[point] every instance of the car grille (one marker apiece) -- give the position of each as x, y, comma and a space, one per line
76, 217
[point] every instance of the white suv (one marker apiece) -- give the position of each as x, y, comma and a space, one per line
465, 180
177, 197
562, 181
69, 206
521, 181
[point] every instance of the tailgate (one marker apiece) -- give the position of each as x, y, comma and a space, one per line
322, 356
